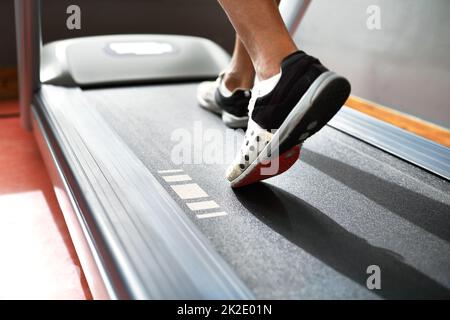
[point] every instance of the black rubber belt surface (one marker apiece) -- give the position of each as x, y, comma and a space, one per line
312, 232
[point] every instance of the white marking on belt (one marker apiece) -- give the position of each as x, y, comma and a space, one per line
170, 171
189, 191
202, 205
177, 178
211, 215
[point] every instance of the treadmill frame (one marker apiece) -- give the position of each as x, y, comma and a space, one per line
29, 44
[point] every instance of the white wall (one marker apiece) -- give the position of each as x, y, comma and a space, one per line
405, 65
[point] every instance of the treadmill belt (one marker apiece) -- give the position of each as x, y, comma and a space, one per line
310, 233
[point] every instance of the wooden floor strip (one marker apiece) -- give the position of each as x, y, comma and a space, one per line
410, 123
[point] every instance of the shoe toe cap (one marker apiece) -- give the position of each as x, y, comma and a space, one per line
233, 172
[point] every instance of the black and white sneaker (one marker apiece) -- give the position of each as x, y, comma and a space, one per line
301, 99
232, 106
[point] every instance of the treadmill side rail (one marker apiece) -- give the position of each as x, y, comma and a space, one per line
97, 280
405, 145
146, 245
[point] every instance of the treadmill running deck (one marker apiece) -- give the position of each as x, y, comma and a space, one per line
312, 232
309, 233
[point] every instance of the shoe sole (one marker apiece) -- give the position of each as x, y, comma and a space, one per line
315, 109
230, 120
234, 122
285, 161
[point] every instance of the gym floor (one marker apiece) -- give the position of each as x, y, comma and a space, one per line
38, 257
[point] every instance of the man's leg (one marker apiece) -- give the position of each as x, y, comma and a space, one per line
295, 95
240, 72
229, 96
261, 29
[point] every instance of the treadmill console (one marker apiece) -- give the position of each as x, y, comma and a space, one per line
124, 59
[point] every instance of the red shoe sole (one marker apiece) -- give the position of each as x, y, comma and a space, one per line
286, 160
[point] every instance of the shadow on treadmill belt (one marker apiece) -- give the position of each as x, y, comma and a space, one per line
314, 232
428, 214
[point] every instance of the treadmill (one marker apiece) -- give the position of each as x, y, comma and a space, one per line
108, 112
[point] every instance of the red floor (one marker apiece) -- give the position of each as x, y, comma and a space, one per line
38, 260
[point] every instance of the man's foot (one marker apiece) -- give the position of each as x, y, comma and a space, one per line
215, 97
284, 111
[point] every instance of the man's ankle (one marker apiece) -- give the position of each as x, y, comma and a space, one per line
234, 80
269, 66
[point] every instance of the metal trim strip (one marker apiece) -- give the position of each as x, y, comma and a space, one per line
419, 151
150, 248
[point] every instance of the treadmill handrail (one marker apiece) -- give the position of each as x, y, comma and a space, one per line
292, 12
29, 43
